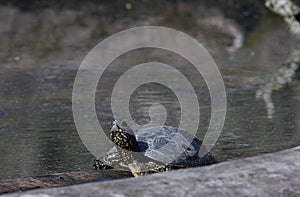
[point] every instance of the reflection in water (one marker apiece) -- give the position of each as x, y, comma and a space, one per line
287, 9
228, 27
280, 78
41, 51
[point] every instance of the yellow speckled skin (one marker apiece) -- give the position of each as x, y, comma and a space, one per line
124, 140
127, 146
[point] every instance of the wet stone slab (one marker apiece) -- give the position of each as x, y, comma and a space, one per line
273, 174
60, 179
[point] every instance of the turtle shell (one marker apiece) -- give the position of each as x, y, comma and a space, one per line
166, 144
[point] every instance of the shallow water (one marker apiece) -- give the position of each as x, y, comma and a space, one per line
39, 64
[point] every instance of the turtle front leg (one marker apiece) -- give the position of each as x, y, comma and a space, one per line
107, 162
100, 165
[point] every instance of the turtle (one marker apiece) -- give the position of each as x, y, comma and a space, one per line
144, 151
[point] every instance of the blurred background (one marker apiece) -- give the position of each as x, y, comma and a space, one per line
42, 44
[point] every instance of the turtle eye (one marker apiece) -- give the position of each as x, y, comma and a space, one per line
119, 128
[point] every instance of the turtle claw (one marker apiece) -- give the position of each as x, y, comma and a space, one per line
100, 165
167, 168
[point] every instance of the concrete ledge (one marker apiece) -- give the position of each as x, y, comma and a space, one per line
60, 179
276, 174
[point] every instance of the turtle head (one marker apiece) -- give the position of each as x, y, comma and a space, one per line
115, 128
120, 126
122, 136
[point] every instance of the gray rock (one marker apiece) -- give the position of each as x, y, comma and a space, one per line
275, 174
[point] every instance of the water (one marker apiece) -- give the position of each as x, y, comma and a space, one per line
41, 52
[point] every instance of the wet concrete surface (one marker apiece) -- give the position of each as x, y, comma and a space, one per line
265, 175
